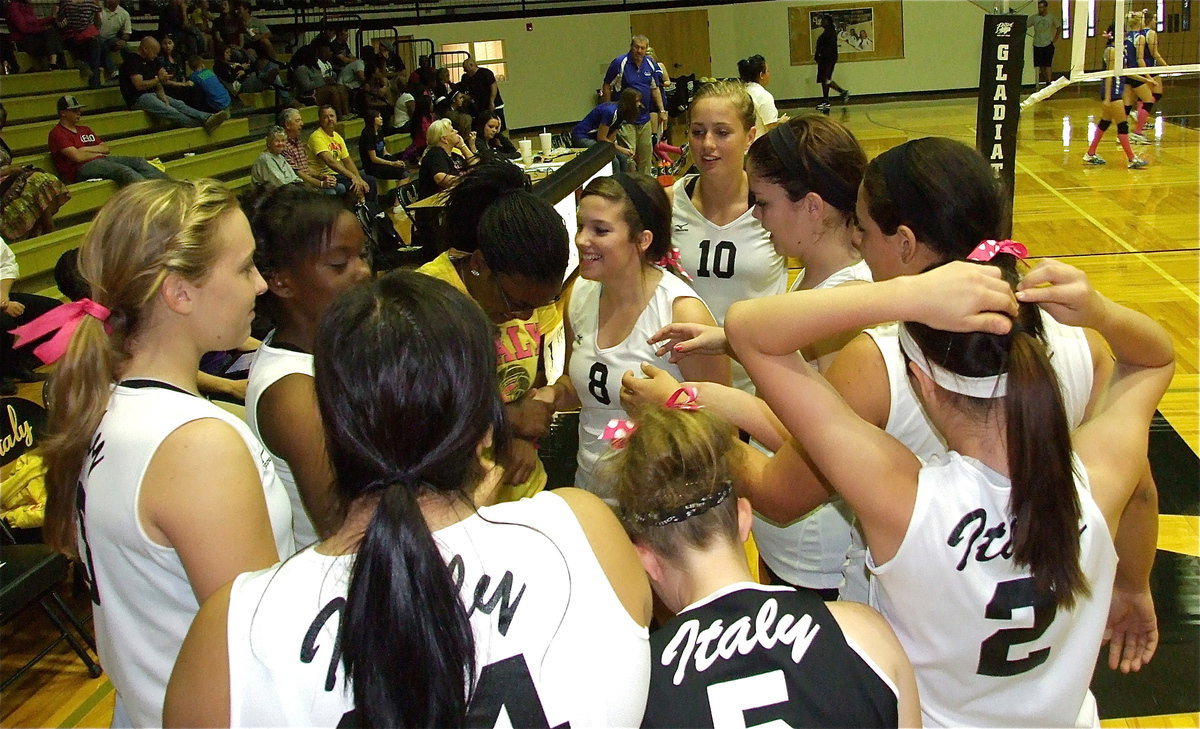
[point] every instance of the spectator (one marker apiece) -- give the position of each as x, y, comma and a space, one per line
603, 123
439, 168
79, 23
115, 29
418, 127
490, 142
340, 46
175, 81
272, 168
313, 84
296, 153
255, 34
372, 151
406, 105
142, 88
423, 62
29, 197
200, 24
16, 309
210, 92
328, 154
634, 70
173, 21
79, 154
481, 84
227, 32
36, 36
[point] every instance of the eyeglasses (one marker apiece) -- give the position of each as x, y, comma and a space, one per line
511, 308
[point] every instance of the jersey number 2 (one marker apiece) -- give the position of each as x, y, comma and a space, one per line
994, 652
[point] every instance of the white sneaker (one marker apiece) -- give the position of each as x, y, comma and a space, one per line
1092, 159
823, 106
1137, 163
1138, 138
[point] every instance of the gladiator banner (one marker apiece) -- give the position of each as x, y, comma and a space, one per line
1000, 68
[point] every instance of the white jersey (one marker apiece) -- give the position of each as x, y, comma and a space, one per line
811, 551
596, 372
1070, 355
272, 364
727, 263
554, 645
764, 108
142, 599
985, 651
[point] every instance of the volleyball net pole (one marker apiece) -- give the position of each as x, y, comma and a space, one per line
1001, 66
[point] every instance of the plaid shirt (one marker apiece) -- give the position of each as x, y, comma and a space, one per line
296, 155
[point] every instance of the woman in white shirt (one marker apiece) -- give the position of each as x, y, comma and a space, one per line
755, 74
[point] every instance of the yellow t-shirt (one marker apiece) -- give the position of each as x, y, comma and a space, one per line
518, 353
319, 142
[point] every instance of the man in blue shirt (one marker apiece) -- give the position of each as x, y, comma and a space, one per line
634, 70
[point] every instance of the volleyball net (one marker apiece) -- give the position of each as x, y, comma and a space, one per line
1085, 25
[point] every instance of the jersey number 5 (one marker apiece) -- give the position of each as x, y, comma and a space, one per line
994, 652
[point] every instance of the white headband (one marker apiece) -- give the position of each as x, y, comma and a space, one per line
988, 387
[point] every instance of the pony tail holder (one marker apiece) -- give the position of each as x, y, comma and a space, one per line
989, 249
63, 321
674, 262
618, 430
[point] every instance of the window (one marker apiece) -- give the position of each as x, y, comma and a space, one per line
1066, 20
1160, 14
488, 54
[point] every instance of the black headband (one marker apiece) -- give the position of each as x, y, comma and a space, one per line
685, 512
837, 193
641, 201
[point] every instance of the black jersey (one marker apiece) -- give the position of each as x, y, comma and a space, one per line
752, 655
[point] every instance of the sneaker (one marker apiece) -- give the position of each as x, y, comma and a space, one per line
1137, 163
845, 95
823, 106
1092, 159
1138, 138
216, 120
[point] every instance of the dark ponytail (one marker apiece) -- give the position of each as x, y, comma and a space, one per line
749, 69
1043, 500
405, 376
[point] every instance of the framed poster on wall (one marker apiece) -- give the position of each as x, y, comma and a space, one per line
866, 31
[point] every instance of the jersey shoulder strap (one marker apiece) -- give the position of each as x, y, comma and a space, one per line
618, 81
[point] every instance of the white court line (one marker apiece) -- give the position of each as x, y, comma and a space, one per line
1115, 238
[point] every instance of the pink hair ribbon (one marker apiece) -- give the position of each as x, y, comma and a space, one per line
673, 260
63, 320
617, 431
685, 398
989, 249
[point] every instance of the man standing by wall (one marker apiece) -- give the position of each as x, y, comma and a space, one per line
1046, 29
634, 70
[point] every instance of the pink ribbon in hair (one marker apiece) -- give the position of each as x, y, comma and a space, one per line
673, 260
618, 431
989, 249
63, 320
685, 398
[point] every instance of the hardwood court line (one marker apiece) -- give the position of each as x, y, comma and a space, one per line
72, 719
1115, 238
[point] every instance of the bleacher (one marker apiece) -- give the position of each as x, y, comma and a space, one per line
185, 153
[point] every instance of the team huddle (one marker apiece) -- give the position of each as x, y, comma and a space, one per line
931, 443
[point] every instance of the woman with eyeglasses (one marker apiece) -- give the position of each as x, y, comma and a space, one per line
507, 250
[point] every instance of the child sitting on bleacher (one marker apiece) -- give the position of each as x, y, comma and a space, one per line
211, 95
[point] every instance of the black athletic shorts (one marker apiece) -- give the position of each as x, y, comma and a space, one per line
825, 71
1043, 56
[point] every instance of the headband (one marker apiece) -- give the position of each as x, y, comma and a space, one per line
685, 512
837, 192
989, 387
641, 201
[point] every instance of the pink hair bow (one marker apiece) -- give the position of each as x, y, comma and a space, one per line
65, 319
673, 260
685, 398
989, 249
618, 431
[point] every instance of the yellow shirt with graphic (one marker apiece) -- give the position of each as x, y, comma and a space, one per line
518, 353
319, 142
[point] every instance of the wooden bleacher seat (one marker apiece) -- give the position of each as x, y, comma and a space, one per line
26, 109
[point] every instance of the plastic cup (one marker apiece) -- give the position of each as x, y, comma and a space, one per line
526, 147
546, 140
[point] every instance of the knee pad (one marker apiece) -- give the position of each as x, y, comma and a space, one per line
1157, 98
1148, 107
1105, 124
1128, 108
1123, 127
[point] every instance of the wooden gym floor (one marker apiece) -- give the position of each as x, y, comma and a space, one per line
1136, 233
